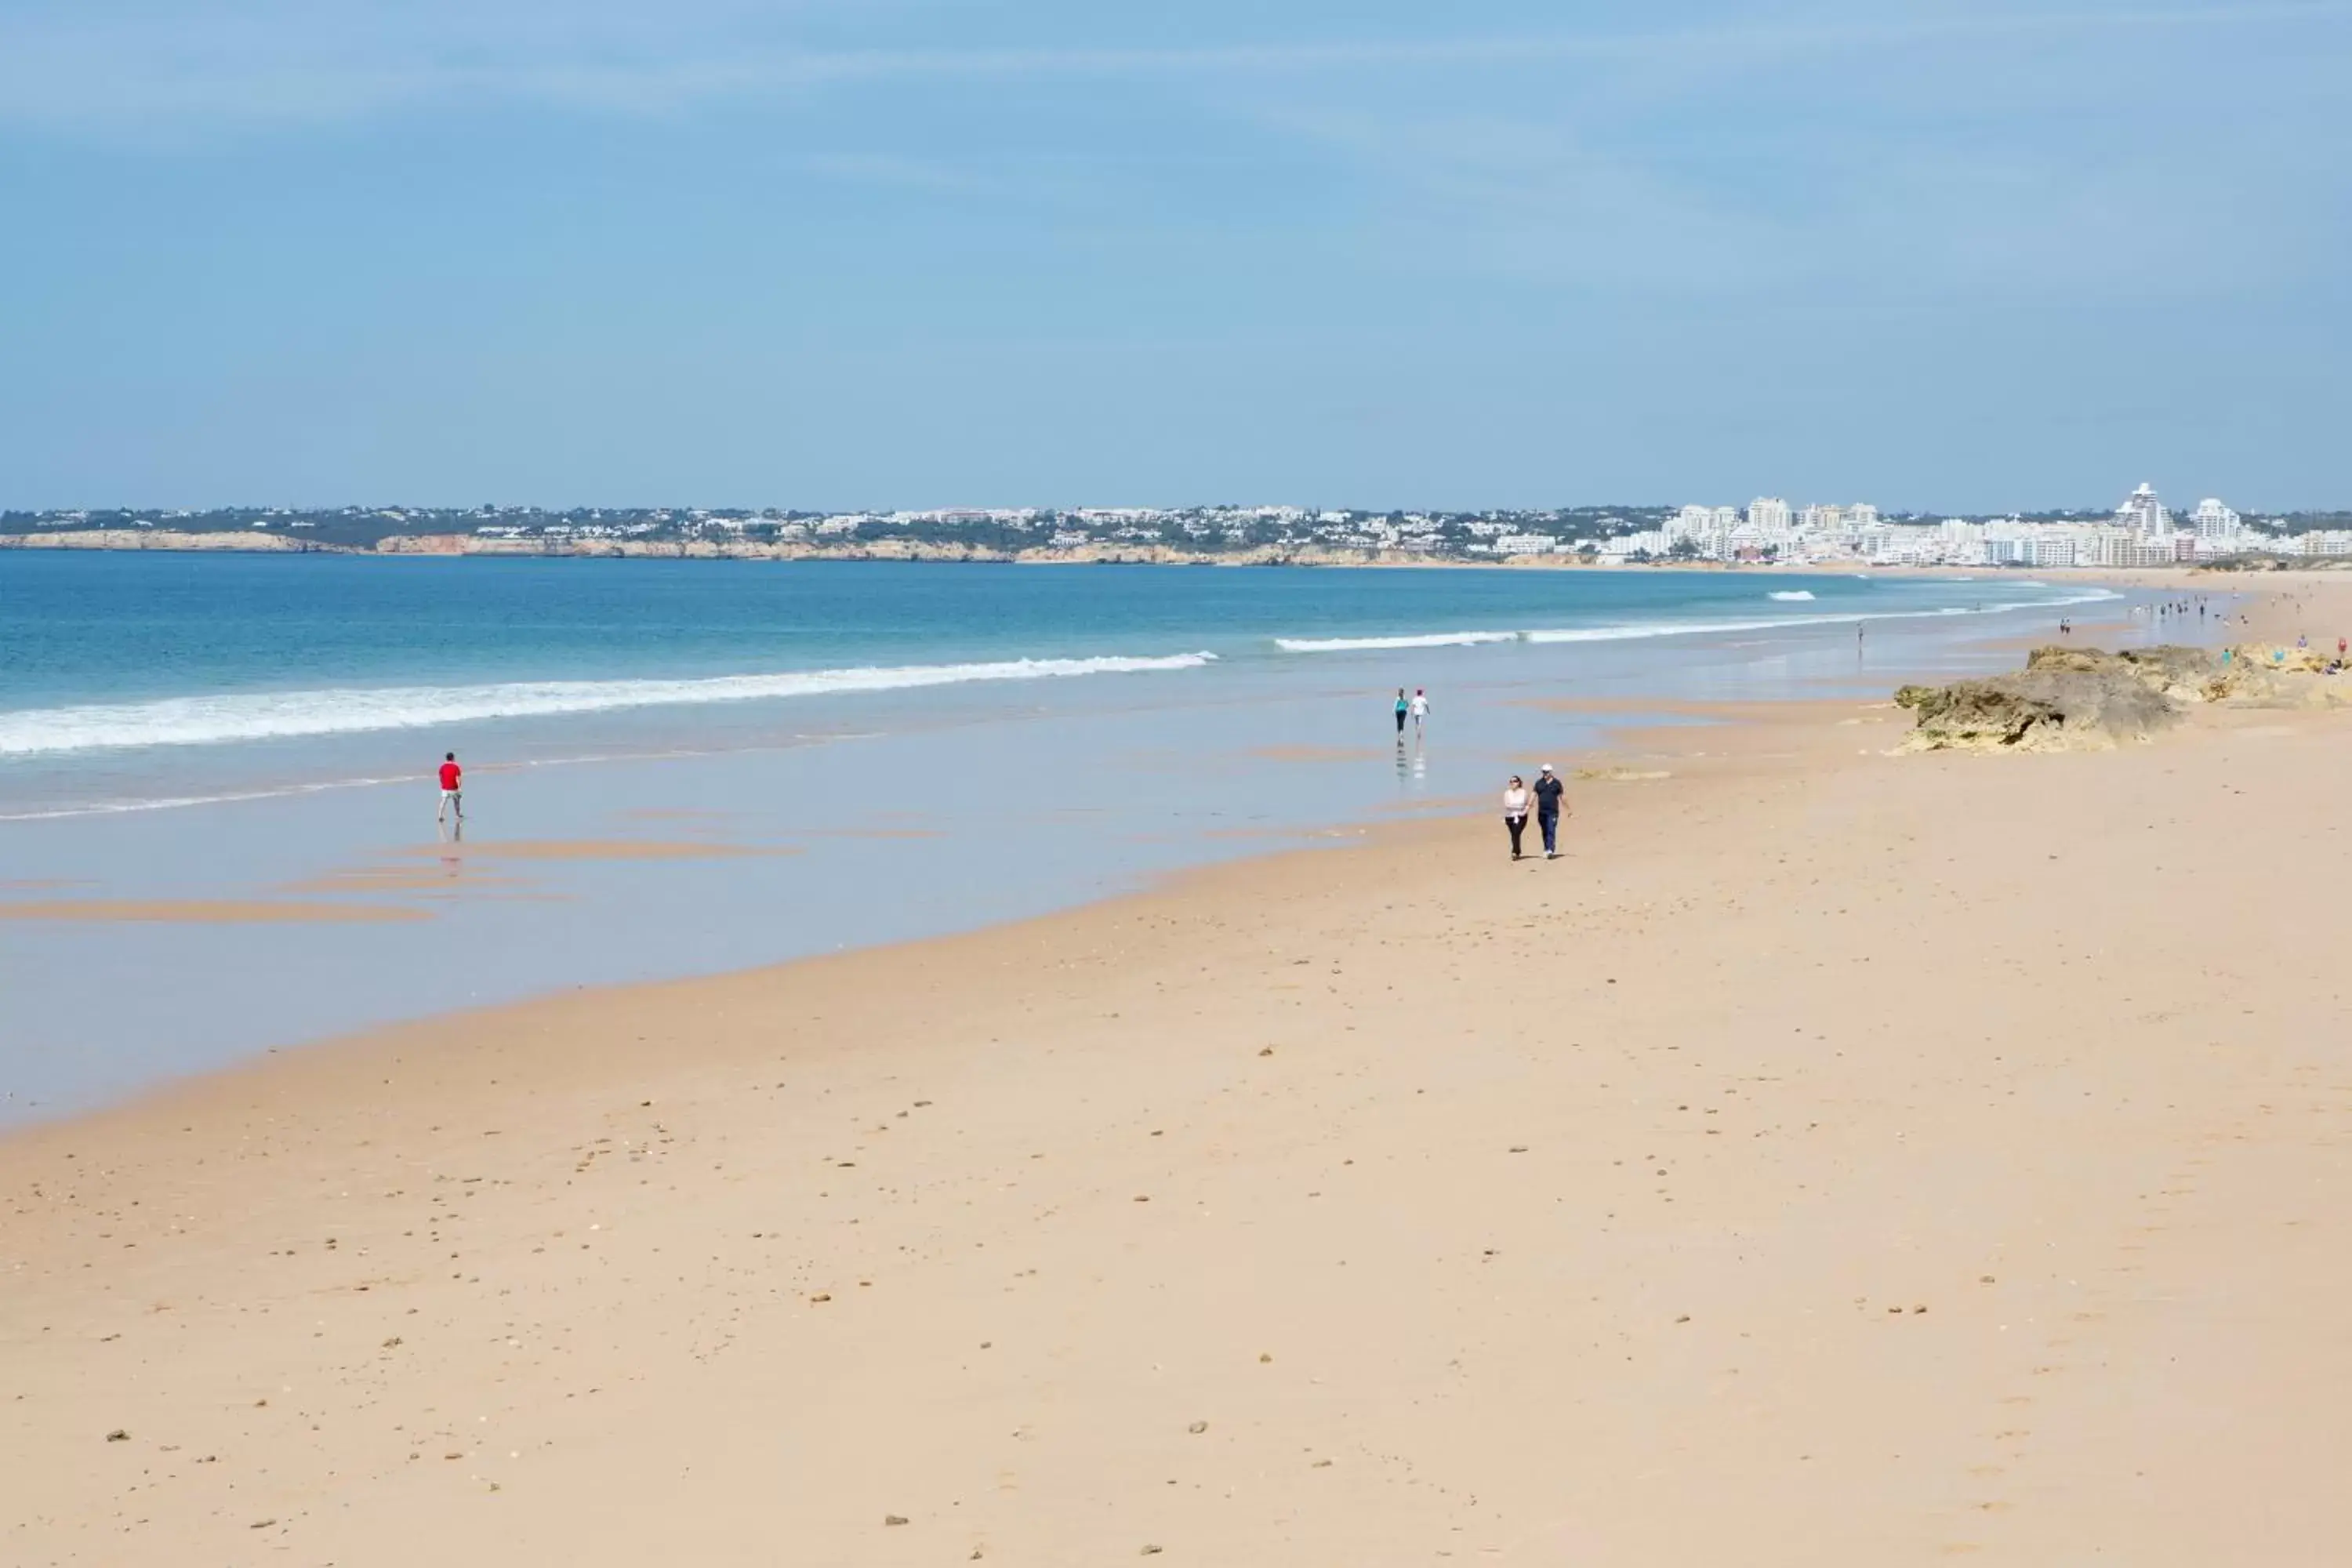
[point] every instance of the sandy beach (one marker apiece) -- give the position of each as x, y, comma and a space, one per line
1835, 1158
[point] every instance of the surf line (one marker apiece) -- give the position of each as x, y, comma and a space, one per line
274, 715
1635, 630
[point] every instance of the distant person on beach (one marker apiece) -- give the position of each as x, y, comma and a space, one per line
1549, 801
1404, 708
453, 789
1515, 811
1420, 708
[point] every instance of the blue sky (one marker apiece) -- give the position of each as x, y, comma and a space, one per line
913, 252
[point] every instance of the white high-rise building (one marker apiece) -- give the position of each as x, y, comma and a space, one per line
1769, 516
2215, 520
2144, 515
1692, 522
1861, 515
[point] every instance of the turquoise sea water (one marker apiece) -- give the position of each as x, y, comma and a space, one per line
104, 658
910, 749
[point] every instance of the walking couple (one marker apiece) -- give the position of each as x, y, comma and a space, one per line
1549, 800
1416, 708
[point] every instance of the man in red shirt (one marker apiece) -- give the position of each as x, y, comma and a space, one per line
453, 784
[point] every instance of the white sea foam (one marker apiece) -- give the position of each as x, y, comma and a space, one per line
1794, 596
1636, 630
274, 715
1418, 639
1675, 629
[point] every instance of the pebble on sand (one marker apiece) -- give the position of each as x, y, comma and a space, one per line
889, 1518
1197, 1427
118, 1436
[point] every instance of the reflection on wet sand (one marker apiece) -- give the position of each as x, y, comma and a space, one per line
598, 850
207, 912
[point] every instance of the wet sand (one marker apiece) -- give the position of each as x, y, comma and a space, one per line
205, 912
587, 849
1835, 1158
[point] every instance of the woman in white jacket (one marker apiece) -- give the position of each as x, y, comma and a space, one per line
1515, 811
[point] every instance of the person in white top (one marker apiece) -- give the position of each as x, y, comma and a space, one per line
1515, 811
1420, 709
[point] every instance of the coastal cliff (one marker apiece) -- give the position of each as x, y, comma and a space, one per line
894, 549
253, 543
467, 544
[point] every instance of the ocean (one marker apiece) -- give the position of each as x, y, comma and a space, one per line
216, 828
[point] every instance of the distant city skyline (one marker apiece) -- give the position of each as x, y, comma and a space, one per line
1965, 259
2142, 530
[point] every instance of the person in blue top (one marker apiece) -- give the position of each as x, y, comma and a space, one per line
1551, 804
1404, 708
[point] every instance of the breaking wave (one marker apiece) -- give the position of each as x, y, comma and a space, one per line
276, 715
1639, 629
1417, 639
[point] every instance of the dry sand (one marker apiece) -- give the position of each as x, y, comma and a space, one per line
1834, 1158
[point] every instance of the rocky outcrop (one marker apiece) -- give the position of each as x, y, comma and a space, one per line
2051, 709
2085, 698
2268, 675
2182, 674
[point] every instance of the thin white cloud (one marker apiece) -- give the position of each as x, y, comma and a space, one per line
314, 64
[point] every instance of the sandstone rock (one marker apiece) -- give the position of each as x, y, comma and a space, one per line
2066, 699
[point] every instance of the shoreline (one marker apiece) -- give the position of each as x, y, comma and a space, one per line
1198, 769
1839, 1158
279, 904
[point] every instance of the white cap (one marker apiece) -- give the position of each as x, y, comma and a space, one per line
1547, 767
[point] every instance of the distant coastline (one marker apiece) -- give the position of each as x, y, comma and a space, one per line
2142, 532
448, 546
452, 546
458, 546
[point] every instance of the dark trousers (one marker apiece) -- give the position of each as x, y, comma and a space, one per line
1399, 720
1550, 825
1518, 824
